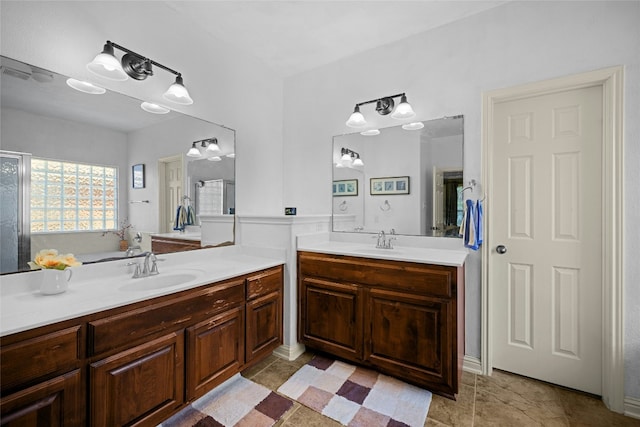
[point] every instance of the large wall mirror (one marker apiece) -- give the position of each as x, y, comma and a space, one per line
406, 179
128, 162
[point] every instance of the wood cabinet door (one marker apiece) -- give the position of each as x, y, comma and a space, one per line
412, 336
139, 386
331, 317
56, 402
215, 351
264, 325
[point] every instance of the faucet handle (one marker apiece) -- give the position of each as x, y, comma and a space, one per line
137, 273
154, 267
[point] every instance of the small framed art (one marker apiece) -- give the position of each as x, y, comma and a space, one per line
389, 185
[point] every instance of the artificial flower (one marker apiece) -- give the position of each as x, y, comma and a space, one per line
49, 258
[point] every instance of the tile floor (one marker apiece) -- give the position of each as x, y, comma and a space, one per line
500, 400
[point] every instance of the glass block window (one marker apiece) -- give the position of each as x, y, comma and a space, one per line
68, 196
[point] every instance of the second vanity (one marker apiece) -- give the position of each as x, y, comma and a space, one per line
399, 310
122, 351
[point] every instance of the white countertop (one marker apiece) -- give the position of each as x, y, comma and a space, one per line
97, 287
323, 243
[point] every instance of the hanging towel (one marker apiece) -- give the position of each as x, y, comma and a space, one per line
479, 227
472, 228
190, 216
181, 218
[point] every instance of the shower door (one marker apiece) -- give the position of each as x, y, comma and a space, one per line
15, 232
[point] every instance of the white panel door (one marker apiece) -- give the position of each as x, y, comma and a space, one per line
547, 215
173, 189
438, 201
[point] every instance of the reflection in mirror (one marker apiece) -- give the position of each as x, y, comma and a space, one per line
82, 148
406, 180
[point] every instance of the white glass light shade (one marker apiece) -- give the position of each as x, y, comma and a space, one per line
370, 132
85, 87
213, 147
345, 159
403, 110
356, 119
339, 165
231, 155
178, 93
106, 65
193, 151
214, 159
413, 126
150, 107
358, 162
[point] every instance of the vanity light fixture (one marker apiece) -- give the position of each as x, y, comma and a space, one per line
137, 67
384, 106
208, 145
85, 87
350, 158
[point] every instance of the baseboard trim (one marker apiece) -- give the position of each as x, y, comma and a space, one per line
472, 364
632, 407
289, 352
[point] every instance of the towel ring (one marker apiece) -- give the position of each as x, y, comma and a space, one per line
343, 206
385, 206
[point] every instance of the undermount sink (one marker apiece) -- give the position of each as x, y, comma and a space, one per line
392, 251
160, 281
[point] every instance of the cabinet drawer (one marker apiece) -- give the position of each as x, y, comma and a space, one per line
264, 283
132, 326
40, 356
395, 275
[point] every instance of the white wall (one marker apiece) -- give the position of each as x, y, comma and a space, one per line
444, 72
228, 86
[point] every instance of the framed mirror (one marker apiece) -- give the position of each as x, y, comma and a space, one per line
101, 152
410, 179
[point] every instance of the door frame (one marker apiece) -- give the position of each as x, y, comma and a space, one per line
611, 81
162, 185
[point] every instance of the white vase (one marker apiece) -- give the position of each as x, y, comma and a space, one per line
55, 281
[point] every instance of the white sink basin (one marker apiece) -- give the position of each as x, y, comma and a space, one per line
378, 251
160, 281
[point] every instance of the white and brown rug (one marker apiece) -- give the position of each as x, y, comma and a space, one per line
355, 396
238, 402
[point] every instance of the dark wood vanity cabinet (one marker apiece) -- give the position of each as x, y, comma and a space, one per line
139, 364
164, 245
405, 319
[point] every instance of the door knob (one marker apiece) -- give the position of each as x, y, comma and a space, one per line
501, 249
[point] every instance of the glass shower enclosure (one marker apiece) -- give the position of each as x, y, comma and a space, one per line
15, 230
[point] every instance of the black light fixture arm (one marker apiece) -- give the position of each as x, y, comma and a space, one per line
380, 99
143, 58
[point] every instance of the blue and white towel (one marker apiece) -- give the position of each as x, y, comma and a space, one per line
471, 228
184, 217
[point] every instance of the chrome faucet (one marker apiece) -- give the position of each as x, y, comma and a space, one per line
131, 249
147, 270
385, 242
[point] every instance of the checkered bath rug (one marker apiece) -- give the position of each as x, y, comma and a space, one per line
355, 396
237, 402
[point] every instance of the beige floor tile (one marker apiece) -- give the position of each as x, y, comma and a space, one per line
468, 378
453, 412
260, 366
304, 416
276, 374
586, 410
505, 409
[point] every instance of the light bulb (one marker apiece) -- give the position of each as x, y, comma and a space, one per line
178, 93
193, 151
150, 107
356, 120
106, 65
403, 110
85, 87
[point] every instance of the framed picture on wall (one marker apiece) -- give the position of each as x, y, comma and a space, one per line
347, 187
137, 176
389, 185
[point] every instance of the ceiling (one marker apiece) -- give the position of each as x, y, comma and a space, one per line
295, 36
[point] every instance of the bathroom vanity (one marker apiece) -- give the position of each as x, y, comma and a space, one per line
140, 361
174, 242
404, 318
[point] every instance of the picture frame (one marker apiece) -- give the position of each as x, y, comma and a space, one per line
389, 185
137, 176
346, 187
